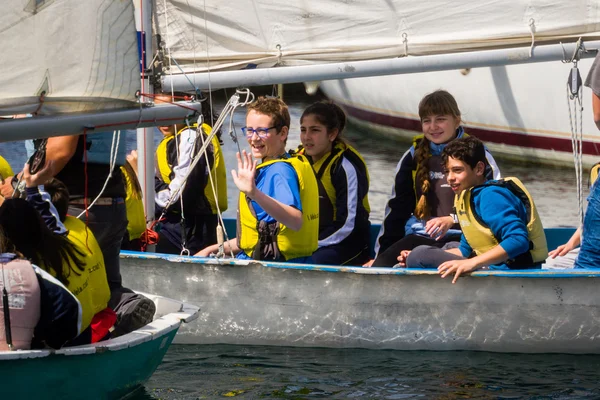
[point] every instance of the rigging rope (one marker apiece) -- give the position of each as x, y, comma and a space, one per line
574, 104
228, 110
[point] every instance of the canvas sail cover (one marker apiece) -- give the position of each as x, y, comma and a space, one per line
235, 34
83, 54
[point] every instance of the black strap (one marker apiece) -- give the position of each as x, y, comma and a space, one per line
327, 161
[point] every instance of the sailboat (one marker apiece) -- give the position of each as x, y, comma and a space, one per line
73, 67
521, 111
204, 45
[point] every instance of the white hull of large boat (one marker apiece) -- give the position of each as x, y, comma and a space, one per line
520, 111
253, 303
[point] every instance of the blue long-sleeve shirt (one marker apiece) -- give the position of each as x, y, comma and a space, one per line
506, 217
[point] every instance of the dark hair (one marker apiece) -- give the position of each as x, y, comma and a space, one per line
329, 114
439, 102
59, 195
25, 229
469, 150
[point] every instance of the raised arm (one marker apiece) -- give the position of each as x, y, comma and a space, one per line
244, 179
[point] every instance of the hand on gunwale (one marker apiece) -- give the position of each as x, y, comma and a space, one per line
457, 267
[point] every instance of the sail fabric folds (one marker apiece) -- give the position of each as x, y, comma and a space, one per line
83, 54
235, 34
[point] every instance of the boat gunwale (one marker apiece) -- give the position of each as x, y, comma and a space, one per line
158, 328
232, 262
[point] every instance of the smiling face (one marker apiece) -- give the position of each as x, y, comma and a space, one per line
461, 176
270, 147
440, 128
317, 142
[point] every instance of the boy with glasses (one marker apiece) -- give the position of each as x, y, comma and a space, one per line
278, 214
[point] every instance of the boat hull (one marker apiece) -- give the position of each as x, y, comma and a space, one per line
379, 308
519, 111
105, 375
109, 369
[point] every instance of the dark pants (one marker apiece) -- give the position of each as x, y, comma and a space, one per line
199, 232
389, 257
341, 254
108, 223
429, 257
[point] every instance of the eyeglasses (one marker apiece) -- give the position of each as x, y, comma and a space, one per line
261, 132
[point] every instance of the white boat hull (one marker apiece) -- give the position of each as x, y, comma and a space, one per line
520, 111
283, 304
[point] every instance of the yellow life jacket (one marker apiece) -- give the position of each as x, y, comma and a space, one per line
481, 238
136, 219
217, 170
276, 241
594, 173
91, 287
323, 172
5, 169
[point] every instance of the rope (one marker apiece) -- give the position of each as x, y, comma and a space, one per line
532, 31
114, 147
575, 106
228, 110
279, 55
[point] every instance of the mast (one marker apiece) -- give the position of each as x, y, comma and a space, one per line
145, 137
358, 69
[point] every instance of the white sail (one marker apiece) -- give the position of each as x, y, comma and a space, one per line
246, 33
82, 54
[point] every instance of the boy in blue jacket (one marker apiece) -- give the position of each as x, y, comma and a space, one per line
501, 228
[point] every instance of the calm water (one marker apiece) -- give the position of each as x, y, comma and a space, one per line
220, 371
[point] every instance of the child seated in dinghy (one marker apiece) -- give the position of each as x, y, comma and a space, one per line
89, 280
588, 255
501, 228
278, 210
343, 178
420, 209
43, 312
565, 256
189, 223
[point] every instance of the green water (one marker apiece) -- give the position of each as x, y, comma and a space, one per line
255, 372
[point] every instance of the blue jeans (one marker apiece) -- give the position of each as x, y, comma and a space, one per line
108, 223
589, 254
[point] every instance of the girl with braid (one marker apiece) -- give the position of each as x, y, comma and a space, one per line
419, 211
